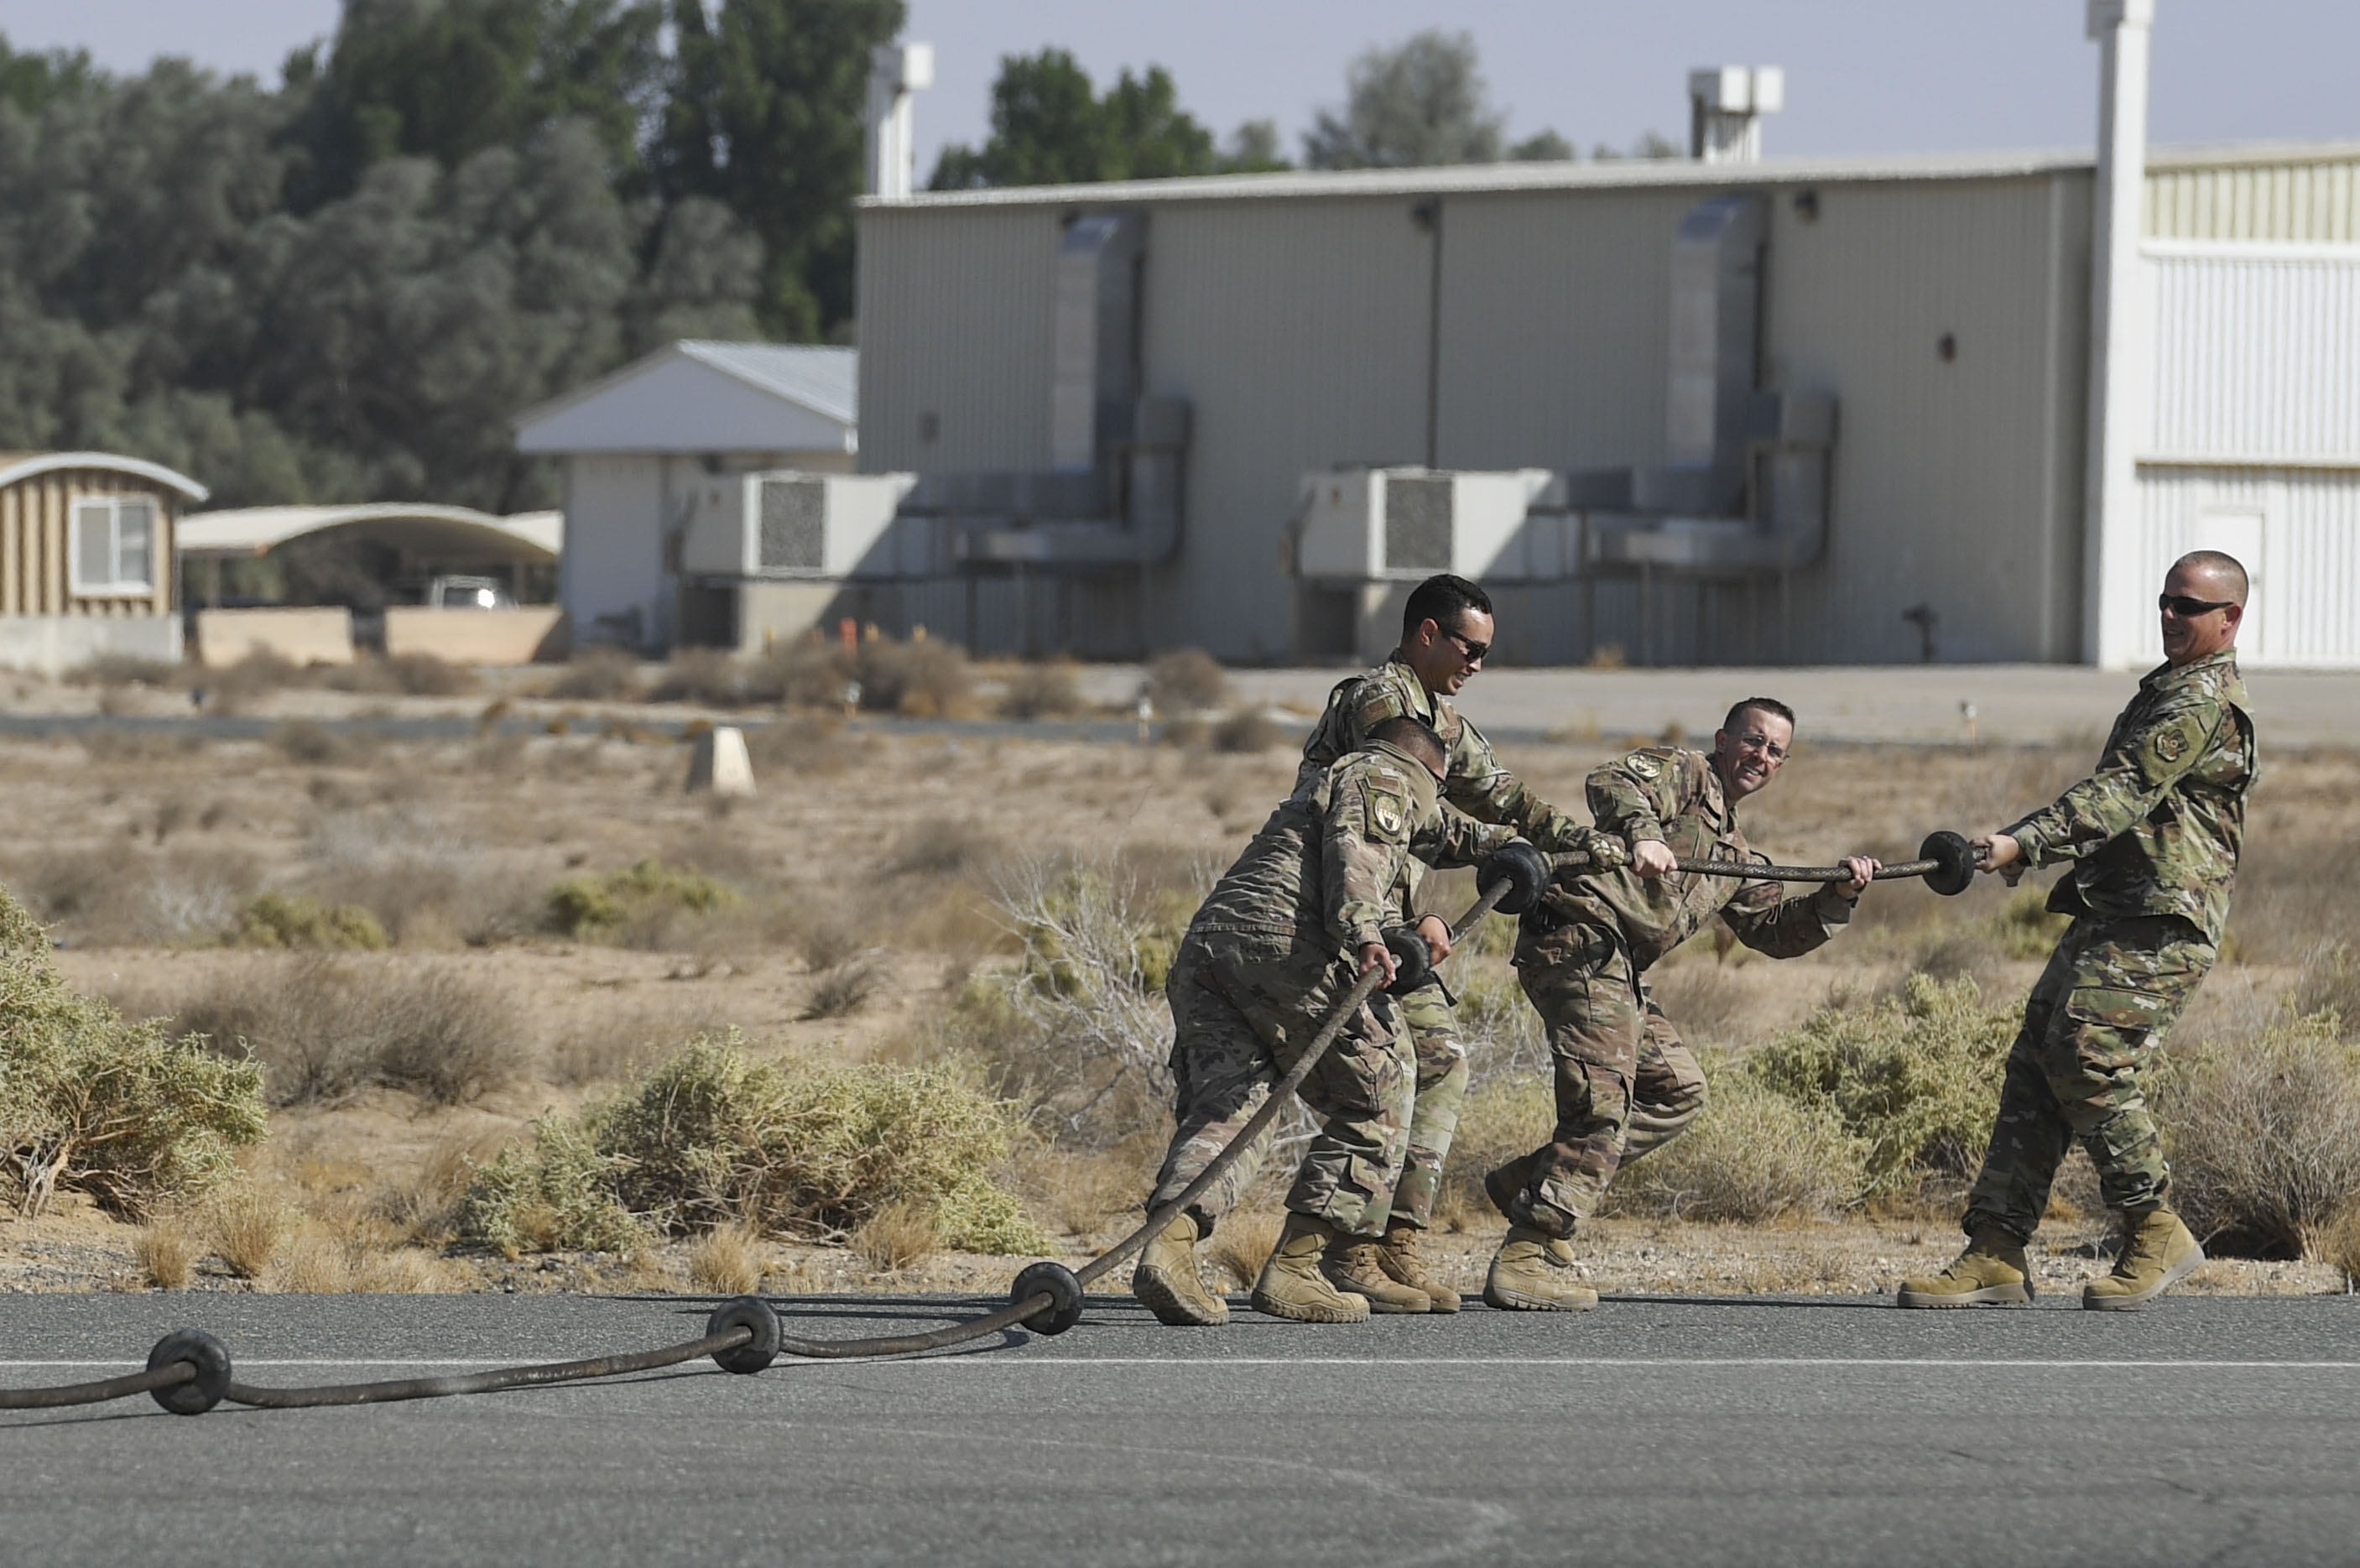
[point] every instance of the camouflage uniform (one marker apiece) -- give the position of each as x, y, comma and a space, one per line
1477, 785
2153, 838
1263, 963
1626, 1084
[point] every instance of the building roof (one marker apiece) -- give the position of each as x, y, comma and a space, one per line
17, 466
1609, 173
696, 396
450, 533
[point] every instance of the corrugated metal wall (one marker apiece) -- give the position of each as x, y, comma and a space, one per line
2301, 199
2257, 353
34, 513
2298, 531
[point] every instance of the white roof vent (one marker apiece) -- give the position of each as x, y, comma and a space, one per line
1726, 103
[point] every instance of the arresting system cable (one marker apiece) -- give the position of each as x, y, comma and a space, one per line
188, 1371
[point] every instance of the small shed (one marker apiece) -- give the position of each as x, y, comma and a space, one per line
639, 445
86, 558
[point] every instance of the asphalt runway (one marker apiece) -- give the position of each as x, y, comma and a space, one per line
1650, 1430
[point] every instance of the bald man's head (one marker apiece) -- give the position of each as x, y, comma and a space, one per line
2225, 571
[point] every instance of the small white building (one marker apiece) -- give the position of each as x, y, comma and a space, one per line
643, 447
85, 557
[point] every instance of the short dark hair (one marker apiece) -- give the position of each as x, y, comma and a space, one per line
2221, 564
1442, 599
1413, 736
1736, 715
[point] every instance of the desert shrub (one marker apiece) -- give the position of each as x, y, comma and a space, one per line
728, 1261
314, 745
236, 686
896, 1236
1186, 681
814, 744
247, 1226
2263, 1132
324, 1028
2024, 926
597, 675
165, 1253
706, 676
1704, 999
1249, 729
1506, 1117
123, 895
403, 674
844, 987
2291, 889
116, 669
1754, 1155
790, 1147
921, 678
94, 1104
1502, 1034
1041, 691
2329, 983
293, 920
1915, 1078
940, 847
423, 882
808, 671
636, 905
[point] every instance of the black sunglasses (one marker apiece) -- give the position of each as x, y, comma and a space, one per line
1474, 651
2187, 609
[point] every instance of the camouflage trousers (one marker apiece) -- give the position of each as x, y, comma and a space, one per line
1243, 1004
1625, 1083
1441, 1094
2111, 991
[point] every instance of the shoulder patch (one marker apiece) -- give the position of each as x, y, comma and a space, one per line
1643, 765
2171, 744
1387, 813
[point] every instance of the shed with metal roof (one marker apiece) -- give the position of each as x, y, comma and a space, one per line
85, 557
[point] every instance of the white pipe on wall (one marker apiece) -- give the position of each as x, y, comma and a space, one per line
2114, 617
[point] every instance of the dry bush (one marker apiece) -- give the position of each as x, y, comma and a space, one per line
424, 1205
941, 848
404, 674
790, 1146
314, 745
258, 674
1915, 1079
808, 671
427, 884
2263, 1132
1186, 681
597, 675
324, 1265
2342, 1247
1502, 1034
706, 677
922, 678
1041, 691
324, 1028
1705, 1000
1079, 1191
90, 1103
844, 988
246, 1227
165, 1252
115, 670
897, 1236
726, 1260
108, 746
1753, 1155
1243, 1243
126, 895
2291, 889
273, 919
2330, 982
614, 1043
813, 746
1506, 1117
647, 905
1249, 729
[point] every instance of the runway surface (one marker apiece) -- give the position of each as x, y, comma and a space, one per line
1650, 1430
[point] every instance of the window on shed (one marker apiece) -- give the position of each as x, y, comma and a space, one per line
113, 545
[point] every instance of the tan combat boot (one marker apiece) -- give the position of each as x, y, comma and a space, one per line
1167, 1280
1991, 1269
1355, 1264
1398, 1257
1533, 1271
1292, 1285
2157, 1253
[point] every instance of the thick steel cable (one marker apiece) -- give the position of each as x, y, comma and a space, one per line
1899, 870
100, 1392
176, 1373
484, 1382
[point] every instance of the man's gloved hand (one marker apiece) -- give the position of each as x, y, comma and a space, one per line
1604, 852
1522, 867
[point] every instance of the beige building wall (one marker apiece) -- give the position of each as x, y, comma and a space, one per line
2289, 193
301, 636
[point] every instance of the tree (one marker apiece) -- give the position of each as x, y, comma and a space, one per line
768, 116
1049, 126
1419, 104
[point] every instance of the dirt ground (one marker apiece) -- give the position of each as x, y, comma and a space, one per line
872, 855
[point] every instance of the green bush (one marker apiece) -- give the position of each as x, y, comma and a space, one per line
1916, 1080
1755, 1154
2024, 925
2263, 1132
602, 905
298, 921
794, 1147
91, 1103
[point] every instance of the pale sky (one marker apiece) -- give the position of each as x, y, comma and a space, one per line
1862, 76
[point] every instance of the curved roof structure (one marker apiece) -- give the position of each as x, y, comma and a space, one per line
699, 397
17, 465
454, 534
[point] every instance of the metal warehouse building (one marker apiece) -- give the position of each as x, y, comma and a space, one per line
1808, 410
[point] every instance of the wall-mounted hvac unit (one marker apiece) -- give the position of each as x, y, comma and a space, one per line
1366, 525
787, 524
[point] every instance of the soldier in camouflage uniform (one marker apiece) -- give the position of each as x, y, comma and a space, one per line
1284, 934
1626, 1084
2152, 837
1447, 629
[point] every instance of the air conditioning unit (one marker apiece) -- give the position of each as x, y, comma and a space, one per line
788, 524
1362, 525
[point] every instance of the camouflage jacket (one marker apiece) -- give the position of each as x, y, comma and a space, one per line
1666, 793
1335, 866
2156, 830
1473, 782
